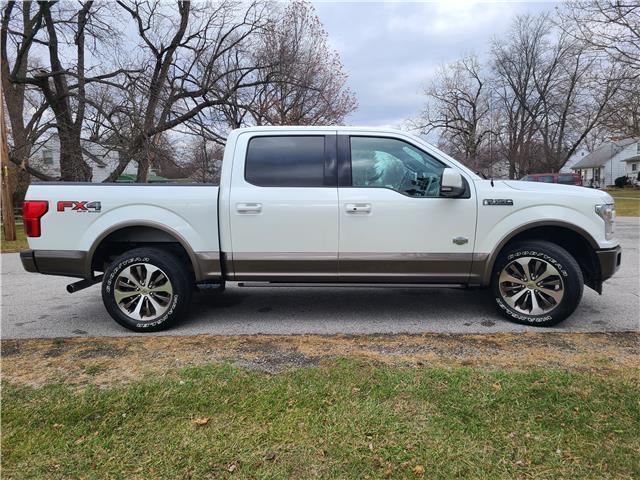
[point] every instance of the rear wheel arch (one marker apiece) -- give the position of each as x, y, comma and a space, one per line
119, 238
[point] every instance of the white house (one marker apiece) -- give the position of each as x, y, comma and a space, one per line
609, 161
633, 166
101, 160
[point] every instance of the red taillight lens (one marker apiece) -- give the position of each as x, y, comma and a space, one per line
32, 212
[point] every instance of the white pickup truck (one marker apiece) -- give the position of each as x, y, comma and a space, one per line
330, 205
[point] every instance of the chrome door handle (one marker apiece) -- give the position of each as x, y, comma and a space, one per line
249, 207
358, 207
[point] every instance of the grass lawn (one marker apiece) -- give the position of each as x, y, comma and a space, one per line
627, 201
343, 419
19, 244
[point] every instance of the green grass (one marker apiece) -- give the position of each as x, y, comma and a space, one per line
342, 420
17, 245
627, 201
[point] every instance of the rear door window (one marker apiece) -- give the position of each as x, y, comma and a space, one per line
286, 161
545, 178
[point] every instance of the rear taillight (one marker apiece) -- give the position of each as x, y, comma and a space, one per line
32, 212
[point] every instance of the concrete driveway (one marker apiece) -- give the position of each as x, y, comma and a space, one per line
37, 306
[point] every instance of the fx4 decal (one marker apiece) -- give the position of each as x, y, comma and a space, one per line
77, 206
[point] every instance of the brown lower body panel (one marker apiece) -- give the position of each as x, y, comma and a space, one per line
454, 268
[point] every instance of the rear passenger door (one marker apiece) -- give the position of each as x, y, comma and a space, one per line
284, 207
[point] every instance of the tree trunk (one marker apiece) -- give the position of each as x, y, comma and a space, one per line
72, 164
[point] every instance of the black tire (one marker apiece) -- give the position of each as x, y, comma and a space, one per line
181, 285
571, 283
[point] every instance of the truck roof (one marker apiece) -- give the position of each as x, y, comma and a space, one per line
270, 128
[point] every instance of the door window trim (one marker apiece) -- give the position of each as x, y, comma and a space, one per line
345, 177
330, 178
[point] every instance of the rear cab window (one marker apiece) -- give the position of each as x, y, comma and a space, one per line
286, 161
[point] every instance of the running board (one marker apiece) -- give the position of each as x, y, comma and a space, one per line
355, 285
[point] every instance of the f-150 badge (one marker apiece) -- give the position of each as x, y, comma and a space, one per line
497, 201
77, 206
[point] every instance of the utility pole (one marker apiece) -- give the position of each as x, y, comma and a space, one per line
8, 222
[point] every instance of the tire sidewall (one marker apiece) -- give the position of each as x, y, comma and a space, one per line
571, 279
178, 284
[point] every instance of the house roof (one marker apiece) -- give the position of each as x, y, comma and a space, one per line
603, 153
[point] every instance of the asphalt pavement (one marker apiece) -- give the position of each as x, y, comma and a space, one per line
38, 306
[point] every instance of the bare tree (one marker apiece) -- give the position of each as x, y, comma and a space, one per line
26, 132
307, 84
193, 62
608, 26
553, 92
459, 108
612, 29
60, 32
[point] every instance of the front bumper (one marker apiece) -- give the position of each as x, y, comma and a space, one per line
66, 263
609, 260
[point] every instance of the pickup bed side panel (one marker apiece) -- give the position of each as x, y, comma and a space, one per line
186, 212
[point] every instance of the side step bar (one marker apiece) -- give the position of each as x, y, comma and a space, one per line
354, 285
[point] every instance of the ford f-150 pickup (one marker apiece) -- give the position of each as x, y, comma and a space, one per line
331, 205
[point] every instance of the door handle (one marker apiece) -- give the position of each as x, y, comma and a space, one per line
358, 208
248, 208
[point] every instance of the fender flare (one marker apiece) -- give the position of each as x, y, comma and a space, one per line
141, 223
486, 268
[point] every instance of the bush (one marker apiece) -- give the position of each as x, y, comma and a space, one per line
621, 182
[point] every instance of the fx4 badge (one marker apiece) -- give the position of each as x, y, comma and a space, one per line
77, 206
497, 201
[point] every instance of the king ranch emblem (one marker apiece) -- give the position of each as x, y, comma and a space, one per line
79, 206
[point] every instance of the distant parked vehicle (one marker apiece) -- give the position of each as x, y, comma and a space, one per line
563, 178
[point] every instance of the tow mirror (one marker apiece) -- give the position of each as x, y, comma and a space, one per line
452, 184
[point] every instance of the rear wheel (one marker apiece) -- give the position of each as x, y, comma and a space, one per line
536, 283
146, 290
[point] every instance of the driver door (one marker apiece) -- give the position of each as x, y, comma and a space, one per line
394, 226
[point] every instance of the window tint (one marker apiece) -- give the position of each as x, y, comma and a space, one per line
545, 178
394, 164
295, 161
566, 179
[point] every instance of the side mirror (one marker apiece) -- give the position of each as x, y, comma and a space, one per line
452, 184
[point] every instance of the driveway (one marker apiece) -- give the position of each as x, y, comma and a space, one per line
37, 306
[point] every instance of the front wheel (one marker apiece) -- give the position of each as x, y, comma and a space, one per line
146, 290
536, 283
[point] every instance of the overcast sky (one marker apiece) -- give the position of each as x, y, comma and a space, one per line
389, 50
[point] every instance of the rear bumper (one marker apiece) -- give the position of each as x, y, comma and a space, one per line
609, 260
65, 263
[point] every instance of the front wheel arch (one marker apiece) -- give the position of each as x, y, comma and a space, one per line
574, 240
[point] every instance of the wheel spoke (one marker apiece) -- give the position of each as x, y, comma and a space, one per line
121, 294
547, 273
128, 274
536, 309
514, 298
507, 277
151, 269
156, 305
165, 287
524, 263
136, 313
555, 294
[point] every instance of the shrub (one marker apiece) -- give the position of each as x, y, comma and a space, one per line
621, 182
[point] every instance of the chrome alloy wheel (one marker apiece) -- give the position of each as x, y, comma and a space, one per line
143, 292
531, 286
